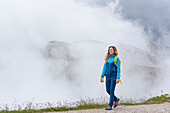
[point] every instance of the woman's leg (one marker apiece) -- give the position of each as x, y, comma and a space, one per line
115, 98
108, 85
112, 90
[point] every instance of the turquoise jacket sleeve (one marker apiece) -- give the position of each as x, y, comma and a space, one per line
104, 70
118, 68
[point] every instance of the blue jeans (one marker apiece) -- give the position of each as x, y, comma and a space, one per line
110, 88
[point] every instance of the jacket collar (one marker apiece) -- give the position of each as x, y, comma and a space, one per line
112, 56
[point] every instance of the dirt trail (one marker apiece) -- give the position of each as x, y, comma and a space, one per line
154, 108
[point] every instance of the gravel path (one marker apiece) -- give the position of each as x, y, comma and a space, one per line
154, 108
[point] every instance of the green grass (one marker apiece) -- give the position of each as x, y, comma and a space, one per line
153, 100
80, 107
91, 105
157, 99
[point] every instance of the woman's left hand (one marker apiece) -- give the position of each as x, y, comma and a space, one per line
117, 81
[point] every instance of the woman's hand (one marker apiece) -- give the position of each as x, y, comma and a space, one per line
117, 81
101, 80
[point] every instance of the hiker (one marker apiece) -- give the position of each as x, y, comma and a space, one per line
111, 70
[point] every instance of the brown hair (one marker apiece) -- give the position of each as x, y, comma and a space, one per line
115, 52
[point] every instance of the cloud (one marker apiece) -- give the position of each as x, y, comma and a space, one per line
153, 15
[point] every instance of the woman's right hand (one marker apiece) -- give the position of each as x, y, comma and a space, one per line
101, 80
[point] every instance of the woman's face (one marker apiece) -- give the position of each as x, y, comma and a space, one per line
111, 51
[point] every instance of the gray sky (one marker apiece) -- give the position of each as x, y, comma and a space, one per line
153, 15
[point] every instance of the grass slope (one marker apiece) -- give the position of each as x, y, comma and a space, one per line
153, 100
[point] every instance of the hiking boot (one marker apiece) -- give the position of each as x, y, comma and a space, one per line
108, 108
116, 102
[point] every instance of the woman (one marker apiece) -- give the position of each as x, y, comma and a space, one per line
111, 70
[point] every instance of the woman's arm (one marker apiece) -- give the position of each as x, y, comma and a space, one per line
104, 70
118, 68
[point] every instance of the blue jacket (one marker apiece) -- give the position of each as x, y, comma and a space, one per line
110, 69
